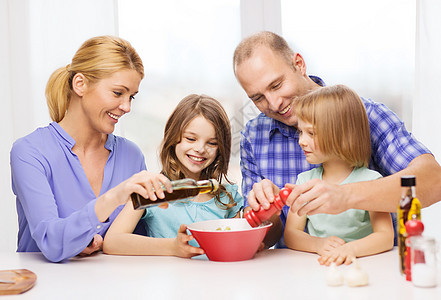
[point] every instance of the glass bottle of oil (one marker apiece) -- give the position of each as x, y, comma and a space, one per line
409, 208
183, 188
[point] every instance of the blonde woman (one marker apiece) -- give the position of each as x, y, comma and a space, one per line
71, 176
334, 133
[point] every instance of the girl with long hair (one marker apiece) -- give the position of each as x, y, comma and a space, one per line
197, 145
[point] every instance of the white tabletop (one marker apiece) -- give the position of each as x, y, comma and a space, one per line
272, 274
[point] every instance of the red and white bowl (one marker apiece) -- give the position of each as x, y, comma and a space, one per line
228, 239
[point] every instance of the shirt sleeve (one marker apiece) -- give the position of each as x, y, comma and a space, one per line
301, 178
57, 238
393, 147
248, 166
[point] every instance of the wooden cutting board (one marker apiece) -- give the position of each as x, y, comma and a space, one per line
22, 280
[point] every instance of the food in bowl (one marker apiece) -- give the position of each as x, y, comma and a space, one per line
239, 242
223, 228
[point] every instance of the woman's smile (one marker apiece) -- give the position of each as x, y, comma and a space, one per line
113, 116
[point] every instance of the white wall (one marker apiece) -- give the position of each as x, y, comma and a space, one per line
37, 37
427, 103
8, 219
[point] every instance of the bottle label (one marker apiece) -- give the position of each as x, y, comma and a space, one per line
409, 209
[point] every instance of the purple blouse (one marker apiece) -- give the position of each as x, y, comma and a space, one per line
55, 202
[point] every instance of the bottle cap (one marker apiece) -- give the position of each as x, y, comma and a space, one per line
408, 180
214, 185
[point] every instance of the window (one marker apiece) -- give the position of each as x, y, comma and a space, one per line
187, 47
368, 46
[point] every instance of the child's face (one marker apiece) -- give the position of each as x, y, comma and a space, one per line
308, 144
198, 147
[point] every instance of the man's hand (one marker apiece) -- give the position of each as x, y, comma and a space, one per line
262, 194
316, 197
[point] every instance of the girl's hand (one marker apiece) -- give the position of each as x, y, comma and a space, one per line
340, 255
182, 248
326, 246
96, 245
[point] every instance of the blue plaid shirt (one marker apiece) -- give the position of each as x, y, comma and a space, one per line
270, 149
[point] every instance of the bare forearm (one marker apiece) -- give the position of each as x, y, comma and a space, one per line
104, 206
133, 244
374, 243
299, 240
384, 194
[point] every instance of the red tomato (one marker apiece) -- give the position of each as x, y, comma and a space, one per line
414, 227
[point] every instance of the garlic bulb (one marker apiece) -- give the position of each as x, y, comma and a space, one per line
356, 276
334, 277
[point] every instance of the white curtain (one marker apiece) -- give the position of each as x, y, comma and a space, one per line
37, 36
427, 102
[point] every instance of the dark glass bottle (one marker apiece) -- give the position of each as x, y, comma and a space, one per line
409, 208
183, 188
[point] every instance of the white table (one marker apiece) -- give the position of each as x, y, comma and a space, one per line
272, 274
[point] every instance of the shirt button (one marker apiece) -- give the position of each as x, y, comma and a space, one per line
98, 227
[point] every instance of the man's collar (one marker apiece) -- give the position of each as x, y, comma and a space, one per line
317, 80
289, 131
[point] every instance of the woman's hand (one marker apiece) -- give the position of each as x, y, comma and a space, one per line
144, 183
182, 248
95, 245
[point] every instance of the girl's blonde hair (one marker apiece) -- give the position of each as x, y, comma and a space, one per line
339, 121
189, 108
97, 58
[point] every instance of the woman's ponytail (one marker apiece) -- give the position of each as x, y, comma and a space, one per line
58, 93
97, 58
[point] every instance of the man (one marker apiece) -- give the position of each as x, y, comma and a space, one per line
273, 75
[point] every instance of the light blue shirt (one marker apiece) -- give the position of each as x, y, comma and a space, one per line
349, 225
55, 202
164, 223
